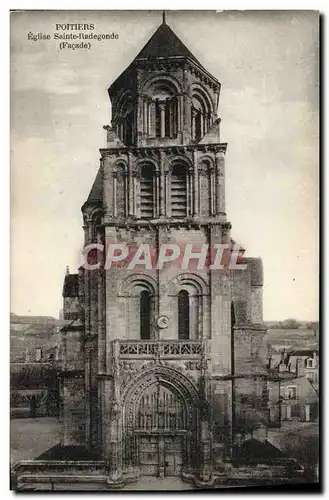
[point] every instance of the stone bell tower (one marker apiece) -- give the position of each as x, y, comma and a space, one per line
155, 355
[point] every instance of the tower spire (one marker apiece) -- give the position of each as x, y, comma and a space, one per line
163, 17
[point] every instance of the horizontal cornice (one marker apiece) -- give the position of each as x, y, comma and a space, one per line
166, 222
179, 149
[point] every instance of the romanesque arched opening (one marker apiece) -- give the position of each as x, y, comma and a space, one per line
183, 315
145, 315
201, 114
179, 191
162, 109
147, 191
126, 119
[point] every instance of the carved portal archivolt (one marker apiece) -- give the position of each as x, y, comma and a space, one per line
159, 423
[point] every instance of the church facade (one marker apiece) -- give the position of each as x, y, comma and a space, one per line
163, 349
164, 369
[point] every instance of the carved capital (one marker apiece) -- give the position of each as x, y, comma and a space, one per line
225, 228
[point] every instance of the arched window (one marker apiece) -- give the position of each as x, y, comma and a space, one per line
179, 191
145, 315
198, 124
126, 120
164, 107
128, 128
166, 118
200, 115
147, 191
183, 315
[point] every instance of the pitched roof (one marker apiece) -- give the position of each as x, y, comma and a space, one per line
165, 43
256, 451
305, 352
96, 193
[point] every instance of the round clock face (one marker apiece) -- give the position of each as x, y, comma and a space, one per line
163, 322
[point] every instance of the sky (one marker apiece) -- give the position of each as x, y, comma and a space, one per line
267, 63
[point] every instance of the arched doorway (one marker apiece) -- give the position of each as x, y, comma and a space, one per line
159, 428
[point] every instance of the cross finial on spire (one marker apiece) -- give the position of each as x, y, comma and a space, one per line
163, 17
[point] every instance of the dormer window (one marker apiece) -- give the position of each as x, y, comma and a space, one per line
309, 363
291, 392
38, 354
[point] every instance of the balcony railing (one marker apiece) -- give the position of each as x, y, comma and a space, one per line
163, 348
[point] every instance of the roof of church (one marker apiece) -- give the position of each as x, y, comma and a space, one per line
96, 192
165, 43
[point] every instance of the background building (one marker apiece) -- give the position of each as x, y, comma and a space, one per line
35, 361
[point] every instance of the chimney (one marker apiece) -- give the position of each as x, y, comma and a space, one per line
298, 360
300, 367
269, 365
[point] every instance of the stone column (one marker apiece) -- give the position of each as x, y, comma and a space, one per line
220, 188
162, 186
121, 129
101, 323
193, 113
115, 180
167, 192
212, 191
130, 186
140, 126
196, 183
145, 120
136, 205
170, 104
149, 117
190, 193
87, 286
162, 107
180, 106
108, 186
152, 118
156, 179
